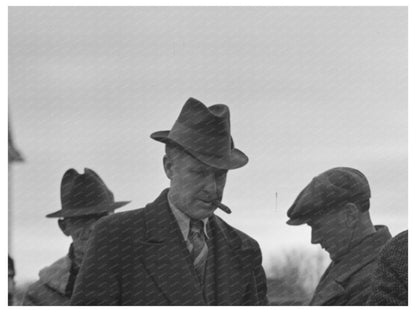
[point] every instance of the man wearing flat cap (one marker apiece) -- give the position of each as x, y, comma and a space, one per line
335, 204
85, 199
176, 251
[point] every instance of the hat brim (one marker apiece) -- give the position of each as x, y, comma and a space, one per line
70, 213
237, 158
296, 221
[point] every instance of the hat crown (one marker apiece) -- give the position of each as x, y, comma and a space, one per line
205, 133
196, 115
84, 190
85, 194
343, 183
203, 129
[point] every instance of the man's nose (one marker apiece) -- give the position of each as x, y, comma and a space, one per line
210, 184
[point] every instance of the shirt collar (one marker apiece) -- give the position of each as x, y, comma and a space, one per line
184, 220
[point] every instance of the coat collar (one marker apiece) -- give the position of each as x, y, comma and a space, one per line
161, 224
166, 257
169, 263
332, 283
366, 251
56, 276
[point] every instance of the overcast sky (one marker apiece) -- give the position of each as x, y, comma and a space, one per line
308, 89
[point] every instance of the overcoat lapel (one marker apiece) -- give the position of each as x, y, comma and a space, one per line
333, 280
328, 292
228, 267
166, 258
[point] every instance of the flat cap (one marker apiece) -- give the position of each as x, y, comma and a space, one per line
325, 191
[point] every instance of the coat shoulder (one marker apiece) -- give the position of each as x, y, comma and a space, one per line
132, 218
396, 246
33, 293
121, 222
39, 294
394, 255
121, 218
247, 242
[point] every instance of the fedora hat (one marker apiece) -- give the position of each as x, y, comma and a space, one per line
84, 194
204, 132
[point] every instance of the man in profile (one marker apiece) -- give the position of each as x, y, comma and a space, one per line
176, 251
85, 199
335, 204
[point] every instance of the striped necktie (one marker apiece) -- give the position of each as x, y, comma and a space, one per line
199, 250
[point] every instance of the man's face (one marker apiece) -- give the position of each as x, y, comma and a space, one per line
79, 229
332, 232
194, 185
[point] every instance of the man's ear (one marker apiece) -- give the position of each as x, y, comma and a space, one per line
167, 165
351, 215
63, 225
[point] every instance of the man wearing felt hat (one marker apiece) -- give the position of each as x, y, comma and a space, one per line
85, 199
176, 251
335, 204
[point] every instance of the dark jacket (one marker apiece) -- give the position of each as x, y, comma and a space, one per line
390, 279
55, 284
139, 257
348, 280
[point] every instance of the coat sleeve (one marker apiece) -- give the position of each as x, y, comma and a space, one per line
98, 279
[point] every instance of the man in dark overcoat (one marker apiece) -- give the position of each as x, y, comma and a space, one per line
335, 204
175, 250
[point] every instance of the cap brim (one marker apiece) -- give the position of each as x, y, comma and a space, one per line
86, 211
237, 158
296, 221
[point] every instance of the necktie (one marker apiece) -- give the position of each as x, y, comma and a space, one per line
199, 250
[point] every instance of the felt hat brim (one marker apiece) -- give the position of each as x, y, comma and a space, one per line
87, 211
235, 160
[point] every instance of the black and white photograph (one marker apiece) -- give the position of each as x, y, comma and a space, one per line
207, 155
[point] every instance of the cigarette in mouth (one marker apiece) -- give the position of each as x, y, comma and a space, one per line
222, 206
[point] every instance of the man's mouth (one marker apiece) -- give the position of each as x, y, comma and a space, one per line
207, 202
